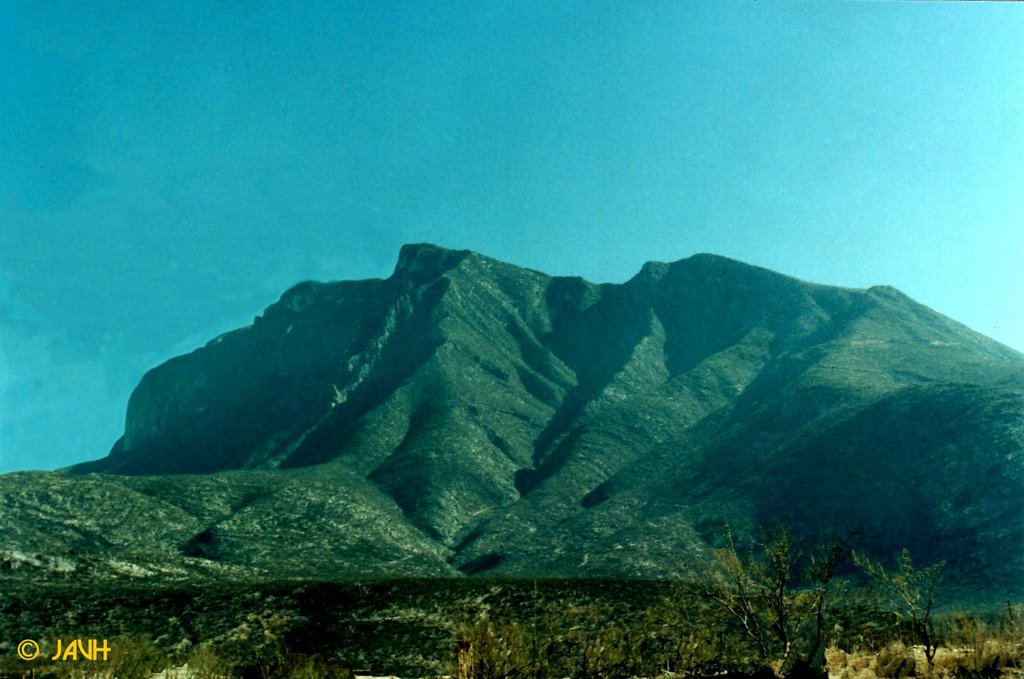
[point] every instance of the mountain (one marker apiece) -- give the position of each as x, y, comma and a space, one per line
469, 416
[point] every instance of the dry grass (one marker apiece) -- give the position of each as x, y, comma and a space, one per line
989, 659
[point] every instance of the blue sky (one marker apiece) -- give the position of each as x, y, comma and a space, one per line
168, 169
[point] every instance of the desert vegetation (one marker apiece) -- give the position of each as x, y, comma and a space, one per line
770, 609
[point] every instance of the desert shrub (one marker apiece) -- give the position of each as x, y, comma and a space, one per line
1010, 634
986, 665
863, 622
591, 653
256, 648
970, 634
205, 663
570, 639
911, 591
589, 640
486, 650
895, 661
1011, 625
693, 637
706, 651
208, 662
777, 597
983, 651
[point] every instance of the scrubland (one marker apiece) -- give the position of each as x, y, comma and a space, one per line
470, 629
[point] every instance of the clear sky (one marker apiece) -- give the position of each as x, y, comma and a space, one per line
168, 169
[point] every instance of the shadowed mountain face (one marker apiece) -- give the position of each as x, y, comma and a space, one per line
492, 419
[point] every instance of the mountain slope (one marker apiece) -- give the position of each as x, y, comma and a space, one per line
483, 417
234, 524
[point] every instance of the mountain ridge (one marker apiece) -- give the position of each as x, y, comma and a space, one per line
488, 419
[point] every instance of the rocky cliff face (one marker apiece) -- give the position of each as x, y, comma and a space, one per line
528, 424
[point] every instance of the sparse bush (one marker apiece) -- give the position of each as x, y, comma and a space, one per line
486, 650
861, 625
706, 651
984, 652
1010, 633
256, 648
205, 663
691, 637
592, 651
970, 634
131, 657
761, 591
913, 592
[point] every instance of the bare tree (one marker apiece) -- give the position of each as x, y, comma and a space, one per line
913, 593
761, 591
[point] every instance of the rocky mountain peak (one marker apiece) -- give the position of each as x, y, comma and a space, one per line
524, 424
421, 262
